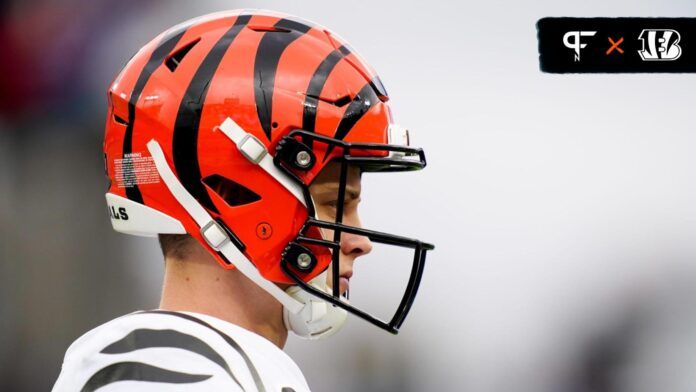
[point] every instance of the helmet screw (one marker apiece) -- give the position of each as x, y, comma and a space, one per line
304, 260
303, 159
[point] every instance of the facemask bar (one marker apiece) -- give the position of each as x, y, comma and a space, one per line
418, 264
399, 158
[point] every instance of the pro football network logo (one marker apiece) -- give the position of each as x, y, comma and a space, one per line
660, 45
617, 45
576, 43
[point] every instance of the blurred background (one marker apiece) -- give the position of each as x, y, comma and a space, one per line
563, 207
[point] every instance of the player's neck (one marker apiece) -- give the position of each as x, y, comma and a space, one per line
200, 285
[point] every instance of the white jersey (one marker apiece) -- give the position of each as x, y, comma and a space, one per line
175, 351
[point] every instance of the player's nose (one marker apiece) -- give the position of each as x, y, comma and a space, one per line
355, 245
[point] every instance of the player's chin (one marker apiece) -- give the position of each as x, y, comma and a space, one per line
343, 285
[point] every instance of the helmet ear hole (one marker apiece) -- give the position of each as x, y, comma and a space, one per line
233, 193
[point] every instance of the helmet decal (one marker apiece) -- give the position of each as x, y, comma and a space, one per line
185, 141
272, 46
165, 46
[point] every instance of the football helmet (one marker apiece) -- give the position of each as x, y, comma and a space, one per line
255, 104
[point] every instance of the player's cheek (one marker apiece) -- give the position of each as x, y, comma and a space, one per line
327, 234
329, 277
351, 216
325, 212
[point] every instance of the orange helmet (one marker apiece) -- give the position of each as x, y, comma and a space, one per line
255, 104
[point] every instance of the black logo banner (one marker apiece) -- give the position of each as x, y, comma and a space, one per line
595, 45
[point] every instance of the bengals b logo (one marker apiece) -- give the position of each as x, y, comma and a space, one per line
660, 45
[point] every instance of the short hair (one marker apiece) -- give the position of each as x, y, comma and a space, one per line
176, 246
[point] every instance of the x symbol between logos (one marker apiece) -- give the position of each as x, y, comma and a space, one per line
615, 45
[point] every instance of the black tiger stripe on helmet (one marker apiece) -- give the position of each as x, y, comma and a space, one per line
185, 139
165, 46
270, 49
315, 87
364, 100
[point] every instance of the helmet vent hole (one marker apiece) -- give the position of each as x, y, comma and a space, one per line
175, 58
269, 29
340, 102
120, 120
233, 193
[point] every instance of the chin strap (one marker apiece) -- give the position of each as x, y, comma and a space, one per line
302, 312
213, 233
318, 319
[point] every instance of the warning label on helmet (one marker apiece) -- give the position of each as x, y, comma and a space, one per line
135, 169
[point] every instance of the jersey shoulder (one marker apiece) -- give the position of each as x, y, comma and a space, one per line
154, 349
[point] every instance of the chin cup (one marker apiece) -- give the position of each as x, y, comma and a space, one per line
318, 319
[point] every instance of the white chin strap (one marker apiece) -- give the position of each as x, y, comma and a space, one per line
318, 319
302, 312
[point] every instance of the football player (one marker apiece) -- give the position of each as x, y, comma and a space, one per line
239, 139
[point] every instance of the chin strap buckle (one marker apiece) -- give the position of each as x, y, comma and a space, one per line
214, 235
217, 234
252, 148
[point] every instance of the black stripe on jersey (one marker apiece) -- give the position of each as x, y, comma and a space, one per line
156, 58
229, 340
185, 140
148, 338
316, 85
271, 47
137, 371
362, 103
